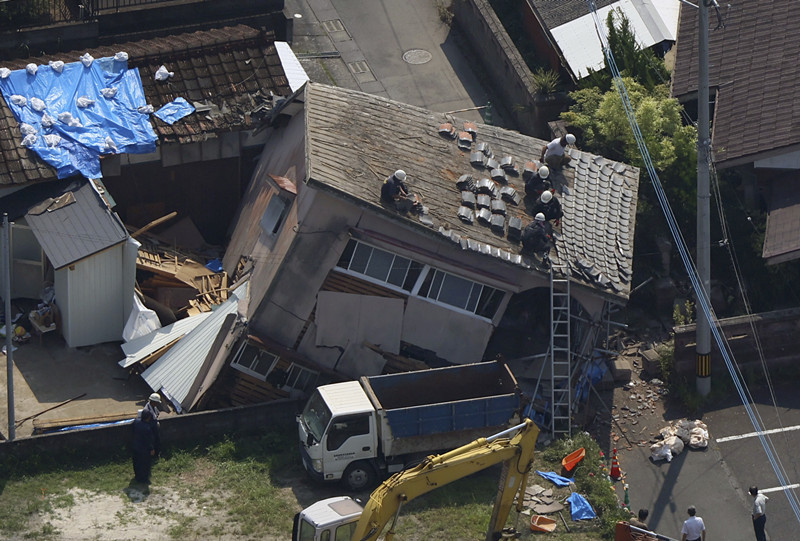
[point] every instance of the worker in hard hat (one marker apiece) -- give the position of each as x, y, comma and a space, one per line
394, 191
537, 238
153, 405
549, 205
554, 153
538, 183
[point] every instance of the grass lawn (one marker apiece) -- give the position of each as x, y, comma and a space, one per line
250, 487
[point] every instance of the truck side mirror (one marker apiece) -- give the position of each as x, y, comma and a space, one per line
310, 440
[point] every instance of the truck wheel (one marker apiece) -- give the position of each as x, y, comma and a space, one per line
359, 476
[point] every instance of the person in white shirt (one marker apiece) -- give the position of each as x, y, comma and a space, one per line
553, 153
693, 527
759, 513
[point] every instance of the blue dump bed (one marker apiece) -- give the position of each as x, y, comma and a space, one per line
462, 401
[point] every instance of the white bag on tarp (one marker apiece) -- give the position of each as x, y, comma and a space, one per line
142, 321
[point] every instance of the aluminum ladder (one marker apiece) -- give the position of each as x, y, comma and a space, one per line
560, 352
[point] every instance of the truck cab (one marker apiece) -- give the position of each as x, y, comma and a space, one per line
338, 435
334, 519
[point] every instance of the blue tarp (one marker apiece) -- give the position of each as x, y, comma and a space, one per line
106, 126
174, 111
555, 478
580, 508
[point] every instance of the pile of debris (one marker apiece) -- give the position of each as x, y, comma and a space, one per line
677, 435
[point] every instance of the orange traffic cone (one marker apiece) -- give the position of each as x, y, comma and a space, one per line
615, 473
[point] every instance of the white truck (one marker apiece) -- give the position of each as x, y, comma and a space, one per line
357, 430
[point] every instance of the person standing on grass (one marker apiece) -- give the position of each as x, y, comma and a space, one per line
759, 513
145, 435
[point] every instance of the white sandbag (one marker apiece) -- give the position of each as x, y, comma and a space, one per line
84, 102
108, 92
29, 140
698, 438
47, 121
52, 139
87, 59
162, 74
57, 65
675, 445
37, 104
146, 109
121, 56
27, 129
18, 100
660, 451
31, 68
4, 73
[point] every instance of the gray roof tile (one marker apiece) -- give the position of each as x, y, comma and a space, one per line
369, 122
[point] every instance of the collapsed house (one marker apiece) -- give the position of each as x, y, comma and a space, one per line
145, 161
347, 281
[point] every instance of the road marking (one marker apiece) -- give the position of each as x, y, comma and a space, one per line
776, 489
754, 434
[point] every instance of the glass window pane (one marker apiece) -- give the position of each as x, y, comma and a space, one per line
424, 289
412, 276
474, 293
347, 254
490, 302
361, 258
379, 265
455, 291
399, 269
436, 284
262, 363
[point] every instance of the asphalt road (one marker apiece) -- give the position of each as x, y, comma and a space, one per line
748, 460
399, 49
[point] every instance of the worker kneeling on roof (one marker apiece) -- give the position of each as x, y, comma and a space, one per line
537, 237
549, 205
395, 192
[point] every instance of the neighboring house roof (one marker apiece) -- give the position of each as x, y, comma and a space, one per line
753, 71
782, 238
176, 372
228, 73
354, 140
652, 21
554, 13
75, 224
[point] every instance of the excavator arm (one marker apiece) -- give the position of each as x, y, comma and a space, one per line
514, 448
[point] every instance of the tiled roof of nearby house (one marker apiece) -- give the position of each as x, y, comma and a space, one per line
355, 140
754, 71
228, 73
75, 224
557, 12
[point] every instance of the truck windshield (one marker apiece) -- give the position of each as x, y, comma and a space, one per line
316, 416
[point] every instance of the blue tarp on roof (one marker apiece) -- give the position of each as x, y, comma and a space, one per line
107, 126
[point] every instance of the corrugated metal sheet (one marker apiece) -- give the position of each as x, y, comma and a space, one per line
176, 371
139, 348
91, 298
652, 22
77, 230
295, 73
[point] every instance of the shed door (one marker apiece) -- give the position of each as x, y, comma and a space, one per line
27, 271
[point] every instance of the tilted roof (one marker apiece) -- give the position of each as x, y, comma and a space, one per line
354, 140
753, 70
230, 71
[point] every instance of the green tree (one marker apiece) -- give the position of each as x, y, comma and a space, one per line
631, 60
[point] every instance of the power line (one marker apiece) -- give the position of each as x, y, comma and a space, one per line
702, 295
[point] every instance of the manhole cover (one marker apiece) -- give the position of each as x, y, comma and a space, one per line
417, 56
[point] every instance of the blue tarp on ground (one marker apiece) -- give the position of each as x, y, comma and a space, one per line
580, 508
110, 125
555, 478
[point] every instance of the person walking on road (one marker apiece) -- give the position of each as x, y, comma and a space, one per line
759, 513
693, 527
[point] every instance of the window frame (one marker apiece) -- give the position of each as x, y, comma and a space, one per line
278, 220
425, 271
248, 369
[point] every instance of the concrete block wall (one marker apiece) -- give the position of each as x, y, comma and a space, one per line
508, 74
100, 441
777, 334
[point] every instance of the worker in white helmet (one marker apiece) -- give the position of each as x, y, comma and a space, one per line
537, 238
554, 153
395, 192
538, 183
549, 205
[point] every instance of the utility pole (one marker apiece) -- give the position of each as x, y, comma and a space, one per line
703, 328
6, 274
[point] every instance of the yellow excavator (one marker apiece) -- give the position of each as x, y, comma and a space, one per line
343, 519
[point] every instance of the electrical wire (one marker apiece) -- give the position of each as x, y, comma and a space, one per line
702, 295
